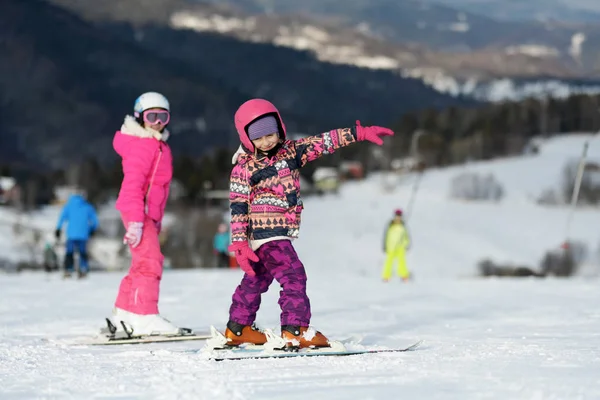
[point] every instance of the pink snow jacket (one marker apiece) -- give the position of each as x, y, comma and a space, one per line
264, 192
147, 169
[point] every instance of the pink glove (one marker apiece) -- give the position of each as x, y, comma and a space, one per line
243, 255
133, 236
372, 133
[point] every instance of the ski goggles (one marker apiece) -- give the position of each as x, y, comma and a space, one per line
157, 116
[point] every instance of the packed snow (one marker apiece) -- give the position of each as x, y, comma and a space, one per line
519, 338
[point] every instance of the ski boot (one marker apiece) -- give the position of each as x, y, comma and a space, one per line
143, 324
300, 337
81, 274
237, 334
67, 275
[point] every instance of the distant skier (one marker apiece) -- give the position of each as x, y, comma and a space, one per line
82, 222
220, 243
265, 218
50, 257
147, 171
396, 243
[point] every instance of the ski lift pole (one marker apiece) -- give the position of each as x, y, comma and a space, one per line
413, 194
575, 193
414, 152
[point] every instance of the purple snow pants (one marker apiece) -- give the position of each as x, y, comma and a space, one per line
277, 260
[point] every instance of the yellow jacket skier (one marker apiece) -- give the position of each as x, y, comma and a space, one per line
396, 242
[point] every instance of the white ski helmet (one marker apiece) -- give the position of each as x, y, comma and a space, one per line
149, 100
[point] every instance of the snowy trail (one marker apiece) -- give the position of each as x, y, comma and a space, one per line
530, 339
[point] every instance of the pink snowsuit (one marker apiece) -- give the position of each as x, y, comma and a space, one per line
147, 170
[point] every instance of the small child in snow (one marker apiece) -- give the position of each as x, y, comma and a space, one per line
265, 218
220, 245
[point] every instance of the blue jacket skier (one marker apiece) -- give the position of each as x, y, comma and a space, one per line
82, 223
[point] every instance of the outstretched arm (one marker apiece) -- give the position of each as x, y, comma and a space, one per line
313, 147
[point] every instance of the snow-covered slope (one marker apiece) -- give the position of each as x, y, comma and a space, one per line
469, 74
497, 90
484, 339
450, 236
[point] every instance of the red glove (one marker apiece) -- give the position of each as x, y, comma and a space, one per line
372, 133
243, 255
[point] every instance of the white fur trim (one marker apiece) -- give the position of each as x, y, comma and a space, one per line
238, 153
132, 128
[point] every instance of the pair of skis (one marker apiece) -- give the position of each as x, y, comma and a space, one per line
113, 336
217, 348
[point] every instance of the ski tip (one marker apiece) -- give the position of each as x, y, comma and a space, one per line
415, 345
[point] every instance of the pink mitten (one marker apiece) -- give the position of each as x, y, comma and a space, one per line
133, 236
243, 255
372, 133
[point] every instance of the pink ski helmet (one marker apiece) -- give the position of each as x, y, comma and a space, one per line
251, 111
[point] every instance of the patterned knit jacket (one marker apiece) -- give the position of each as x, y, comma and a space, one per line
265, 191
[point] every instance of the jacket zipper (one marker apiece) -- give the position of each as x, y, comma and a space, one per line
152, 179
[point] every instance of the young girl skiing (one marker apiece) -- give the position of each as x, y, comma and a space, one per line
265, 218
147, 171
